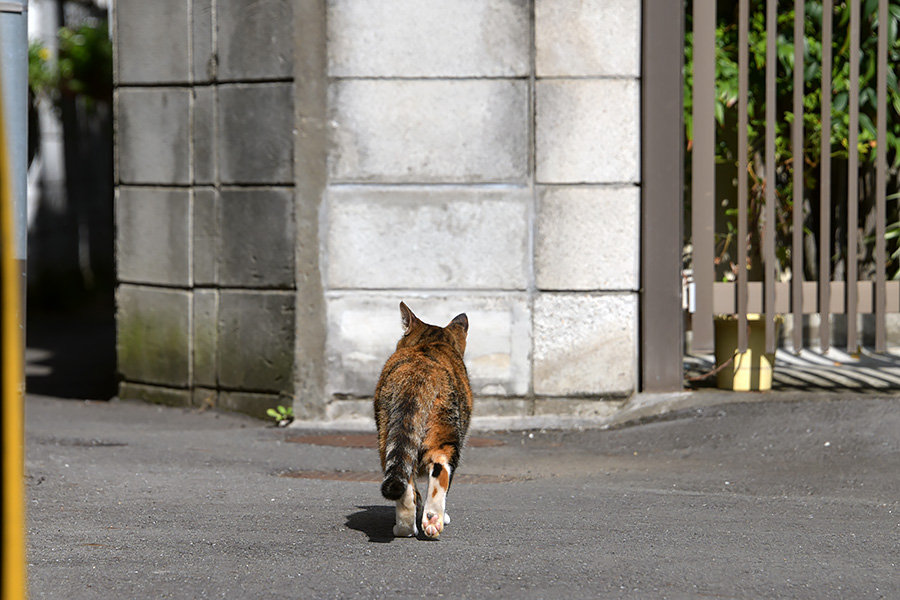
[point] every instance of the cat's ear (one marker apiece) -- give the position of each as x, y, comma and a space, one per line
462, 320
407, 318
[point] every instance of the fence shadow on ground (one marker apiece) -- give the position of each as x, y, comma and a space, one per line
812, 370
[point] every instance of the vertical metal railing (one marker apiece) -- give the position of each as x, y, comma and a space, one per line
743, 70
853, 180
769, 296
703, 171
825, 183
797, 184
769, 225
881, 179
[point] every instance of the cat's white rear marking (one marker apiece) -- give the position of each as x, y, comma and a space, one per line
406, 513
434, 515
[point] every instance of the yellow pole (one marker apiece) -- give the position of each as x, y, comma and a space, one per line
13, 580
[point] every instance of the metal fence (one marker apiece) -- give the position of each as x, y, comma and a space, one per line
776, 292
826, 223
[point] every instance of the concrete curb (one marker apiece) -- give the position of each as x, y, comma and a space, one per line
639, 409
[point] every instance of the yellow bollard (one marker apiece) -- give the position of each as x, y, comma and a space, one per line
13, 579
750, 370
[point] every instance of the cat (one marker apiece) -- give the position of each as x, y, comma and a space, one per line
423, 405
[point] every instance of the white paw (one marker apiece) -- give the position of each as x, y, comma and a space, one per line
404, 530
432, 524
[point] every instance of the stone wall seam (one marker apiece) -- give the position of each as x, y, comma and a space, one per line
434, 78
533, 205
214, 18
155, 186
487, 186
243, 81
156, 286
190, 49
323, 222
190, 242
191, 335
588, 78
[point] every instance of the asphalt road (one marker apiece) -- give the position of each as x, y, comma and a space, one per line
762, 500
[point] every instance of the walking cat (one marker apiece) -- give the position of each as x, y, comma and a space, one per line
423, 405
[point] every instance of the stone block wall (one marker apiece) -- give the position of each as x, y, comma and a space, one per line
289, 171
205, 201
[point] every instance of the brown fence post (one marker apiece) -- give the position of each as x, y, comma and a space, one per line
662, 173
743, 74
881, 179
853, 182
703, 177
825, 184
798, 160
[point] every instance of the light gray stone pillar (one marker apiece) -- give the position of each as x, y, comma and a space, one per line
587, 103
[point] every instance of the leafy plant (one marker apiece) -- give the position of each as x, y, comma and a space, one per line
82, 68
282, 415
42, 75
85, 61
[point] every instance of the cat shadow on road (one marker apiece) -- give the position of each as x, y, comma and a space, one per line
377, 522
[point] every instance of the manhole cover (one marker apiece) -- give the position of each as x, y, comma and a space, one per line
372, 477
369, 440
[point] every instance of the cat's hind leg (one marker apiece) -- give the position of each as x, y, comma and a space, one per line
406, 512
434, 514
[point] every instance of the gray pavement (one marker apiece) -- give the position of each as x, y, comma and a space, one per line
789, 497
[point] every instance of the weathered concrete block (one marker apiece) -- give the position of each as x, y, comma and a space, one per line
204, 398
203, 125
419, 237
154, 394
153, 236
503, 407
588, 238
251, 403
153, 343
585, 344
205, 332
152, 41
256, 139
408, 38
206, 236
202, 50
587, 39
587, 131
350, 409
256, 240
577, 407
363, 329
256, 39
153, 132
466, 131
256, 340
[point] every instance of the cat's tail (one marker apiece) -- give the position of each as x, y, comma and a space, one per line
397, 473
400, 463
393, 486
